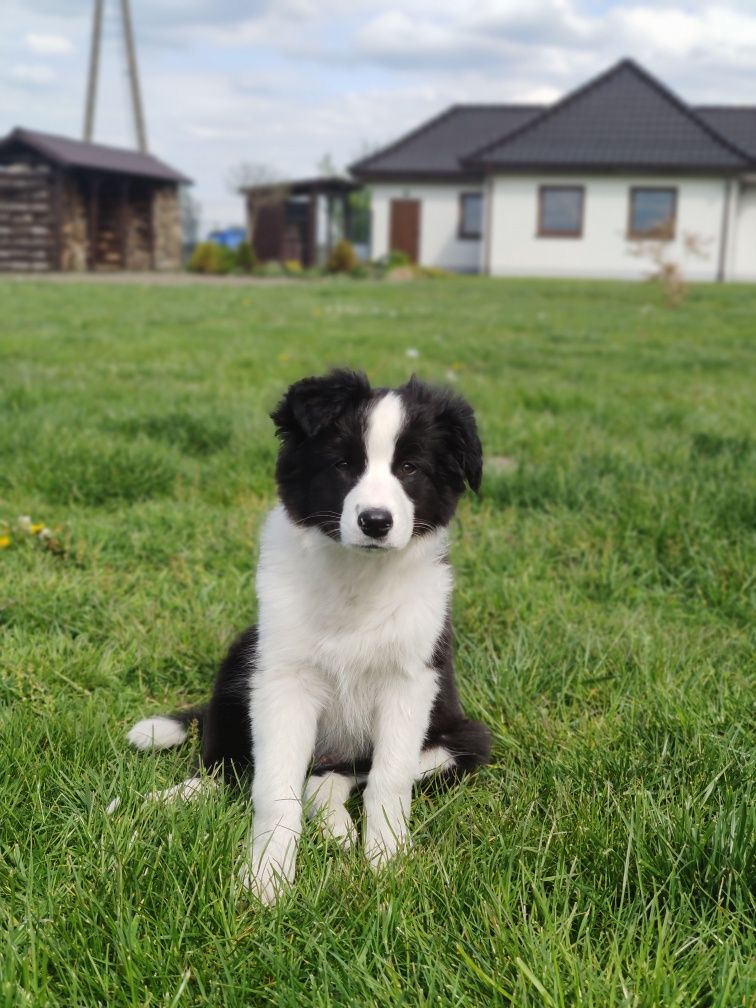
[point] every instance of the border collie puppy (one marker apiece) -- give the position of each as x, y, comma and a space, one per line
348, 677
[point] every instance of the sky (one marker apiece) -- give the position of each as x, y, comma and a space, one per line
283, 83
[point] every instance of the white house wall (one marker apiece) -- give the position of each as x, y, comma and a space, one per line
604, 249
744, 264
439, 223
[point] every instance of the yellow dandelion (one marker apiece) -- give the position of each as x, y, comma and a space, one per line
36, 527
5, 541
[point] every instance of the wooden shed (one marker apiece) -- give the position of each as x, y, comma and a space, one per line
72, 205
299, 220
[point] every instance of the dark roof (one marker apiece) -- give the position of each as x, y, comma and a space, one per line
623, 119
438, 147
82, 154
299, 187
735, 122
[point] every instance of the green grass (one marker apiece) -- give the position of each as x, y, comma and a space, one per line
605, 623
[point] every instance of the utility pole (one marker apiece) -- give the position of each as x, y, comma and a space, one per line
94, 70
136, 96
131, 69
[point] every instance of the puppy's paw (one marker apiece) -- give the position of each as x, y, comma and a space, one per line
268, 873
265, 882
380, 848
336, 824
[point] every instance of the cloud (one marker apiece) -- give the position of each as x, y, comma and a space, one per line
53, 45
32, 73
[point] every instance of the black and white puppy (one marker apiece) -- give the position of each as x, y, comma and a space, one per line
348, 676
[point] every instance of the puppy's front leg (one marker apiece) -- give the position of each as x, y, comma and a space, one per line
284, 715
401, 724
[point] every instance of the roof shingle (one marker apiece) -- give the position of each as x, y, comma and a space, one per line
438, 146
624, 119
82, 154
735, 122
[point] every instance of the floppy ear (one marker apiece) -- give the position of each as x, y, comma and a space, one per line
311, 404
466, 450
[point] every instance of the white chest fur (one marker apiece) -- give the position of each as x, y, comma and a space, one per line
350, 623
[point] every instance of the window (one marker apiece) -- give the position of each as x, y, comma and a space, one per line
560, 211
470, 215
653, 213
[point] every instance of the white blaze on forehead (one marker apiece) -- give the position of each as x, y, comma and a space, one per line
385, 421
378, 487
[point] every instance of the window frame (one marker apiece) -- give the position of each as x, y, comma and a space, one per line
543, 232
469, 235
652, 234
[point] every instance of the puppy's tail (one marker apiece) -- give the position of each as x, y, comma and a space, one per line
166, 731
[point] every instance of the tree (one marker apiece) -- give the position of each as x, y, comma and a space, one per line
327, 167
248, 174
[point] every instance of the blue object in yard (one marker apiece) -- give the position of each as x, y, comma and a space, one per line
230, 237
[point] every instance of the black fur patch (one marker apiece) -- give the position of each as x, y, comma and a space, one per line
440, 438
321, 424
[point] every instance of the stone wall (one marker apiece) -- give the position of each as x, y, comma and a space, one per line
73, 230
166, 224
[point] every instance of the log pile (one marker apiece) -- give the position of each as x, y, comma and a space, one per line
166, 224
73, 225
26, 218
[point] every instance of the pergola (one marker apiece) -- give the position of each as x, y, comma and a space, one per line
298, 220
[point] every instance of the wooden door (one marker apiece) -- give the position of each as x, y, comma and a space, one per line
268, 230
404, 228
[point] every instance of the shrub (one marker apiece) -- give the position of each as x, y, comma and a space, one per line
293, 267
397, 258
269, 269
245, 259
343, 258
667, 274
210, 257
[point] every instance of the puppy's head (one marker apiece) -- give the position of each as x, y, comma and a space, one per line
371, 468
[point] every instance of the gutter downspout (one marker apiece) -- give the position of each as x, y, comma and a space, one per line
487, 237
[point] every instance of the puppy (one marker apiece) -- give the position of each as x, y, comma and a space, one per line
348, 677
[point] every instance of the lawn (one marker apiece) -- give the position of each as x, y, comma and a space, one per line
605, 630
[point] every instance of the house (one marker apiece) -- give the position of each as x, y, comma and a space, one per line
578, 188
73, 205
299, 220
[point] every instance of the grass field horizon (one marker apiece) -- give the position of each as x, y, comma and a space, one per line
604, 612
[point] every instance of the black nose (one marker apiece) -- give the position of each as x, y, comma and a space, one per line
375, 522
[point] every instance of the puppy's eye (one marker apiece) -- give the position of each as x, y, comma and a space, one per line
407, 468
342, 464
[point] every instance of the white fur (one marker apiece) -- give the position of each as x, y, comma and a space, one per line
378, 487
325, 799
345, 643
434, 760
188, 790
157, 733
